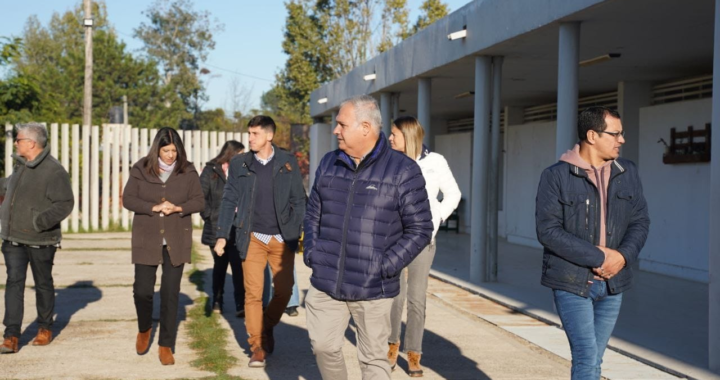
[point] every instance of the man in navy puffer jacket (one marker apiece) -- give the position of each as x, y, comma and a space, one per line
367, 218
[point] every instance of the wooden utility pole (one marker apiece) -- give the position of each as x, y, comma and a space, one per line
125, 110
87, 91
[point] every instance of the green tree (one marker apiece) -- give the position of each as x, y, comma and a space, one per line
19, 94
54, 58
432, 10
395, 24
180, 38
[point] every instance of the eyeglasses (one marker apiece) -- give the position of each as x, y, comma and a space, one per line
18, 140
614, 134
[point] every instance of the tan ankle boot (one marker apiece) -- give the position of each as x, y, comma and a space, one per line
393, 349
142, 343
166, 356
43, 338
414, 369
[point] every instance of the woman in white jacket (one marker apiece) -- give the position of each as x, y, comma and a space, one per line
407, 137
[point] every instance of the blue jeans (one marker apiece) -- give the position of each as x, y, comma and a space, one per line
268, 289
588, 324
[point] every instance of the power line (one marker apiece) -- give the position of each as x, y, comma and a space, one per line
237, 73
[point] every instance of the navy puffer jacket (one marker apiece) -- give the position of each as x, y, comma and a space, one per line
364, 224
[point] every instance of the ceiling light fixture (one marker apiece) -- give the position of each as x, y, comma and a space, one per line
599, 59
465, 94
370, 77
458, 35
322, 100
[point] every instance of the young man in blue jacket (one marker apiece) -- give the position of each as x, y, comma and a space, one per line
592, 220
367, 218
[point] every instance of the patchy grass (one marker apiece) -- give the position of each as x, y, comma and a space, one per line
85, 249
207, 336
85, 263
2, 286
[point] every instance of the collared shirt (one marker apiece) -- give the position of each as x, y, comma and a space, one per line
263, 237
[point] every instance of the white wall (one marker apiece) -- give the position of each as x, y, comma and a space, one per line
677, 195
530, 149
457, 149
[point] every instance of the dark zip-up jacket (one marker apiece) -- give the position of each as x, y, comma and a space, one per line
213, 182
568, 224
239, 193
365, 224
38, 196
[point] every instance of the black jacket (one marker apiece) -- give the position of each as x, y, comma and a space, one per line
38, 196
239, 193
567, 222
213, 182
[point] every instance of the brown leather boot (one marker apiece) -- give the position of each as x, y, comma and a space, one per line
414, 369
43, 338
142, 344
9, 346
257, 360
393, 354
166, 355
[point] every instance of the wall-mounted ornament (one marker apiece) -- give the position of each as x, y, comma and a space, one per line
688, 146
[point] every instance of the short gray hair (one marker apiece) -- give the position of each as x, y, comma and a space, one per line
366, 109
34, 131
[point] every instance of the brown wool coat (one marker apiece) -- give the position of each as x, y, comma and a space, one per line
145, 190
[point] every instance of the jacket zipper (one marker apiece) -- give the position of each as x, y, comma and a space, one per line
587, 212
341, 267
250, 213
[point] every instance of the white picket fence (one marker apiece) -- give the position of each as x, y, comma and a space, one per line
98, 207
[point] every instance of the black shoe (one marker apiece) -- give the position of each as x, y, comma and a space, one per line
292, 311
217, 308
240, 313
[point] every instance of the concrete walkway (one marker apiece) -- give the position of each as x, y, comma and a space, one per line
663, 320
467, 336
95, 322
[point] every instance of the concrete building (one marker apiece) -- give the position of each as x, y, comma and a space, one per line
523, 69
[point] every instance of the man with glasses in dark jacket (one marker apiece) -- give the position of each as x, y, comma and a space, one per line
367, 218
592, 219
38, 196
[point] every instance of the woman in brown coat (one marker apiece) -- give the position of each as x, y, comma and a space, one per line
163, 191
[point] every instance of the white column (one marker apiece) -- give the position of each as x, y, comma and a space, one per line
125, 169
714, 262
54, 140
107, 153
153, 132
221, 139
494, 174
9, 142
333, 124
213, 144
65, 160
85, 207
143, 142
134, 147
481, 129
115, 202
396, 105
204, 149
567, 98
95, 179
319, 145
74, 216
386, 112
631, 97
424, 88
187, 141
245, 140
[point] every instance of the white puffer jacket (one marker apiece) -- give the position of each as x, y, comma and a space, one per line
438, 177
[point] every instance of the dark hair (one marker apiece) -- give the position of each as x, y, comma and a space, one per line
264, 122
593, 119
227, 152
164, 137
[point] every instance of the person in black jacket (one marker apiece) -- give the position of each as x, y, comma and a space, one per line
592, 220
368, 217
213, 179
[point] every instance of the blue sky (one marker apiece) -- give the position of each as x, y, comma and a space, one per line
249, 48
